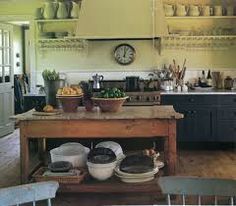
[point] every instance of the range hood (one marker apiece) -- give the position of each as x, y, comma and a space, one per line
121, 19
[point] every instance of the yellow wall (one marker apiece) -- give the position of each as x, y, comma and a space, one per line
98, 57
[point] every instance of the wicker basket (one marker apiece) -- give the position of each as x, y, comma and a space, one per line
38, 177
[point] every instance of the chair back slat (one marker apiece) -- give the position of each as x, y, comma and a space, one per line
197, 186
28, 193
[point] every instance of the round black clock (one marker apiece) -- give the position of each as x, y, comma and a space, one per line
124, 54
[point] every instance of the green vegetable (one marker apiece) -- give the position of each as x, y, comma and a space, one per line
111, 93
50, 75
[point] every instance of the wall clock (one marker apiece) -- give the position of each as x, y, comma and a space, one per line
124, 54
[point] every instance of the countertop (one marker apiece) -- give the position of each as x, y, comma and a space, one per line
131, 112
201, 91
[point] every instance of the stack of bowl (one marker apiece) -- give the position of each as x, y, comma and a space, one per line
101, 163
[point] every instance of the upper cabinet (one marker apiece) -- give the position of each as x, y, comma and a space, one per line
115, 19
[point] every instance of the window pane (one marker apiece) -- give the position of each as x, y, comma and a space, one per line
6, 56
1, 56
6, 38
1, 38
1, 74
7, 74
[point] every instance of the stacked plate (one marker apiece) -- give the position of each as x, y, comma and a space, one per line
135, 177
136, 168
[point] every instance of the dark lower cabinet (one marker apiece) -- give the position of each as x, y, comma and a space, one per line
207, 118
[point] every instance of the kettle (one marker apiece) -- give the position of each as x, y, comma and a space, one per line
96, 81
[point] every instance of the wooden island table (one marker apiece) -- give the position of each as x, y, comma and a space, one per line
130, 122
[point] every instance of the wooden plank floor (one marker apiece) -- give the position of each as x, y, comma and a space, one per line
204, 163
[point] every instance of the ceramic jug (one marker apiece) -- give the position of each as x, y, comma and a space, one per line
74, 10
218, 11
181, 10
169, 10
39, 13
49, 10
62, 11
194, 10
206, 11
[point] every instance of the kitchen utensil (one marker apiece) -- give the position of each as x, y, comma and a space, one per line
74, 13
137, 164
217, 80
181, 10
38, 13
62, 11
193, 10
169, 10
109, 104
97, 81
218, 11
132, 83
60, 166
49, 10
101, 155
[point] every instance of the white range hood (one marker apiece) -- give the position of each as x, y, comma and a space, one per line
121, 19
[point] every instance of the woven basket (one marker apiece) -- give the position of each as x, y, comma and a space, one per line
38, 177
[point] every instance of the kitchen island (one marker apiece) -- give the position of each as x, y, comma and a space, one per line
130, 122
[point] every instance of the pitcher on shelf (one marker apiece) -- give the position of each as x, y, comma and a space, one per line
63, 10
74, 13
49, 9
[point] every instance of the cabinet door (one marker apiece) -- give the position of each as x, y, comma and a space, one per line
226, 131
197, 124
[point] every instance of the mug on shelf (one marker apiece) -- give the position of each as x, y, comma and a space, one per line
169, 10
229, 10
181, 10
39, 13
193, 10
206, 10
218, 10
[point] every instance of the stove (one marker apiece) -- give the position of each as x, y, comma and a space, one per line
143, 98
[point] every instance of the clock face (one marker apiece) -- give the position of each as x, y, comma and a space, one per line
124, 54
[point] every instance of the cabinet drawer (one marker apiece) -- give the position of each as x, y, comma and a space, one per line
227, 99
226, 131
189, 99
226, 114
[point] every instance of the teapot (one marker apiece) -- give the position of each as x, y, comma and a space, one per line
96, 81
62, 11
74, 10
49, 10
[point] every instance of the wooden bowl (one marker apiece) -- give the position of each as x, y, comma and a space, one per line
69, 103
109, 104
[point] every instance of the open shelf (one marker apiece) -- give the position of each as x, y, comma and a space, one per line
199, 17
54, 20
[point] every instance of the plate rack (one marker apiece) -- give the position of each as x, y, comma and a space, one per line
62, 44
198, 42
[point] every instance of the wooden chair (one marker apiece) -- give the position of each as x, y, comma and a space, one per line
195, 186
21, 194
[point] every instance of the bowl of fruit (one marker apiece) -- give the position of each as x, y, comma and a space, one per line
110, 100
70, 98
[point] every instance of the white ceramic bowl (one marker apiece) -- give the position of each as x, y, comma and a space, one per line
72, 153
101, 171
114, 146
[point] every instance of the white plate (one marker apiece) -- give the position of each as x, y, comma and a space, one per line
137, 180
146, 174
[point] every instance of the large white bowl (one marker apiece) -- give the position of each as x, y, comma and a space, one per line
101, 171
72, 153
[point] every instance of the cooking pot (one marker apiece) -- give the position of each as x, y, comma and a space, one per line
132, 83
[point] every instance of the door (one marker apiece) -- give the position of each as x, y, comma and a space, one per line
6, 79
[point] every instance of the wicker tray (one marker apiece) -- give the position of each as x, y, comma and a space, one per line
38, 177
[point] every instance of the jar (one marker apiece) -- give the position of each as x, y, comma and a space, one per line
228, 82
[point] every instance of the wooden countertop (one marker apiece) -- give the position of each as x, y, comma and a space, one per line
129, 112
